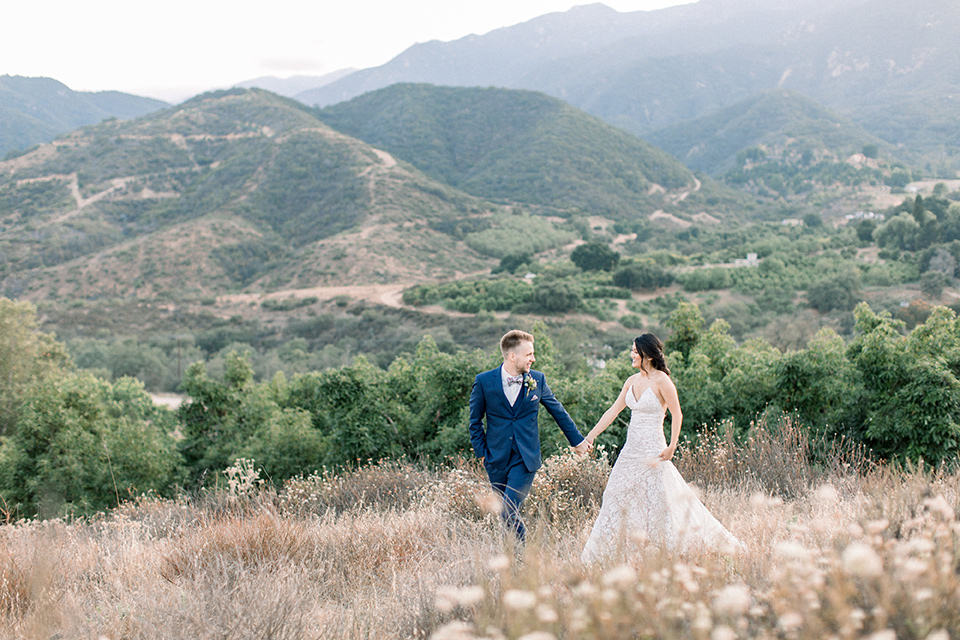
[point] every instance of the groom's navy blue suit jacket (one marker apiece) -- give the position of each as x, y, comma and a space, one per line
518, 423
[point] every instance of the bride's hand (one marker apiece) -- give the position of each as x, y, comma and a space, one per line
667, 454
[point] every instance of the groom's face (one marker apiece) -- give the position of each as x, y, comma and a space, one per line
523, 357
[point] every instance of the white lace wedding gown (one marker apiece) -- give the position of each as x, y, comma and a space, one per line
646, 498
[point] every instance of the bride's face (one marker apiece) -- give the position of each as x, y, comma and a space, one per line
635, 358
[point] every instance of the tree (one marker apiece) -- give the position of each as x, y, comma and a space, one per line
943, 261
841, 291
899, 232
932, 283
820, 384
813, 219
686, 325
871, 150
27, 357
865, 230
899, 177
555, 297
595, 256
82, 445
236, 418
918, 209
913, 393
510, 263
641, 275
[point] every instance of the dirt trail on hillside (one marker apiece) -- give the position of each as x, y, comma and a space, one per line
390, 295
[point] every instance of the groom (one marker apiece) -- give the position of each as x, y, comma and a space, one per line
510, 397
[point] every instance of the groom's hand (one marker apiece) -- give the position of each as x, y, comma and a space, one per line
583, 447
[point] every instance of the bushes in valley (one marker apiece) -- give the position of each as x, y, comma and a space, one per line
841, 291
473, 296
706, 279
595, 256
288, 304
638, 276
517, 234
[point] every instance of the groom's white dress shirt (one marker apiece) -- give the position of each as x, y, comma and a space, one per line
512, 391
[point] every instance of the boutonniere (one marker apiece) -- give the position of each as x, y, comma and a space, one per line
529, 383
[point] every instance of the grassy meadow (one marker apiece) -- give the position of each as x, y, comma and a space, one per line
397, 550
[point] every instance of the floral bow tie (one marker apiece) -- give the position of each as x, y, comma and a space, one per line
514, 379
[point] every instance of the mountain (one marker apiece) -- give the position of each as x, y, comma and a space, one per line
773, 118
514, 146
289, 87
35, 110
230, 190
892, 67
504, 57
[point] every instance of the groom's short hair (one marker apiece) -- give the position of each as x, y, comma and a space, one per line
512, 339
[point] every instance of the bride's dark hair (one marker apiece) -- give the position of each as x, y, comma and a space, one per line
650, 346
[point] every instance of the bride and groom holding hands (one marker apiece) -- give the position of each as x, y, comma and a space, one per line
645, 496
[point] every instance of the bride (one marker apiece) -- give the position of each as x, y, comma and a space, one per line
646, 498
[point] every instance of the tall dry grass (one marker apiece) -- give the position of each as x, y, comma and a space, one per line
843, 550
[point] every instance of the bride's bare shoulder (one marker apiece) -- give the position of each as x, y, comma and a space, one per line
660, 378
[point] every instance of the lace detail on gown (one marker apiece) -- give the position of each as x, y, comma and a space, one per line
646, 498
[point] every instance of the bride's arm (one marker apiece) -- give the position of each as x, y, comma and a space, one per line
669, 391
610, 414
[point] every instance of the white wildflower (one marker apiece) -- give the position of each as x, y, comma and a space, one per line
861, 560
792, 550
519, 599
877, 526
913, 568
456, 630
790, 621
546, 613
827, 495
621, 576
723, 632
732, 600
499, 563
489, 502
923, 594
538, 635
940, 505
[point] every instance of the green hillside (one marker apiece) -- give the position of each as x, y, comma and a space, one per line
35, 110
229, 190
773, 118
515, 146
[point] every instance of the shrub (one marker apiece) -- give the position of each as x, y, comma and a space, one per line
706, 279
83, 445
642, 275
595, 256
556, 297
932, 283
566, 484
841, 292
386, 484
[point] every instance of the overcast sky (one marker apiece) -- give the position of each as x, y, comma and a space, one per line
176, 48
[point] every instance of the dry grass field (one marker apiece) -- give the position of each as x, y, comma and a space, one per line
396, 550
